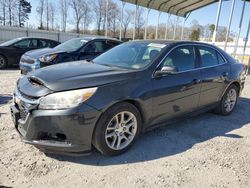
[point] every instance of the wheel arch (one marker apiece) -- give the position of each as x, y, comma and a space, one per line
133, 102
236, 83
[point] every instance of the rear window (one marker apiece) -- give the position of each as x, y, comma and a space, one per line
209, 57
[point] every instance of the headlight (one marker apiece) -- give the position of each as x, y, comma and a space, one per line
67, 99
47, 58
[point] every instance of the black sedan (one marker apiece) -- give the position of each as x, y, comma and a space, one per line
86, 48
11, 51
107, 103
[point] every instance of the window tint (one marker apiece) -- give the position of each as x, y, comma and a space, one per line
23, 43
208, 56
95, 47
151, 53
46, 44
183, 58
109, 44
33, 43
220, 59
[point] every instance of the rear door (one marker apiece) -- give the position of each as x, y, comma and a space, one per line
214, 73
177, 94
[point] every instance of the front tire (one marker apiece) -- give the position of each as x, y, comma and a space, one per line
117, 129
3, 62
228, 101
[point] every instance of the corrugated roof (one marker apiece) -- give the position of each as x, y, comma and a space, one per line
176, 7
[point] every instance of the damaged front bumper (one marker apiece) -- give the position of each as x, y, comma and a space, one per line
66, 131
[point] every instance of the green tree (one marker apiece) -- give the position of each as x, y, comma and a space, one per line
211, 28
195, 34
24, 8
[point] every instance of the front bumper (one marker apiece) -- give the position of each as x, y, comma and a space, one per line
57, 131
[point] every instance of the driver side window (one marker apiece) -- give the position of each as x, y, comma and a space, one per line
94, 47
23, 44
183, 58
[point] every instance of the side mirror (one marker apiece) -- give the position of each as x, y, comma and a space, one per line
166, 70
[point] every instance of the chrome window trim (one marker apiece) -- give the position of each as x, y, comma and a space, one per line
199, 68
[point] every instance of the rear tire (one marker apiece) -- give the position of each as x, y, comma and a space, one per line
117, 129
228, 101
3, 62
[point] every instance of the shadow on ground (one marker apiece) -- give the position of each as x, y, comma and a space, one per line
10, 68
174, 139
4, 99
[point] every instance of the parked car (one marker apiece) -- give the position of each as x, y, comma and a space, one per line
134, 87
11, 51
71, 50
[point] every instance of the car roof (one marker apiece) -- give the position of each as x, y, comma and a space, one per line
36, 38
89, 38
175, 42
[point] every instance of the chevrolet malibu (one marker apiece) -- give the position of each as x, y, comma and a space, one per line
108, 102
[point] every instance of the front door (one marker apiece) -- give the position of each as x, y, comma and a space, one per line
23, 46
177, 94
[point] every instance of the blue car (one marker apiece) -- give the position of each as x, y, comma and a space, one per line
86, 48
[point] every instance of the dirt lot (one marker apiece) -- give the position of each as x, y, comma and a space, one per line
206, 151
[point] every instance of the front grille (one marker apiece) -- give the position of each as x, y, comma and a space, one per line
24, 104
28, 60
23, 113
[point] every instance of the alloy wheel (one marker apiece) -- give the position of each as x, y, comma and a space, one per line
121, 130
230, 100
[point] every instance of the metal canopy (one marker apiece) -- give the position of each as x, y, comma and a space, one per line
176, 7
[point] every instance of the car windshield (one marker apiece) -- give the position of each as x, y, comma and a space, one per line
71, 45
131, 55
10, 42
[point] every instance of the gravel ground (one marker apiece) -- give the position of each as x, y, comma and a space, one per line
205, 151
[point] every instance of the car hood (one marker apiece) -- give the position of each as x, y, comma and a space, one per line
40, 52
72, 75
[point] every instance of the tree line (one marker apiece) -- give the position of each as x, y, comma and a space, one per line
14, 12
62, 14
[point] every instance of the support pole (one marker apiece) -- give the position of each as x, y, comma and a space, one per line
166, 29
136, 9
175, 28
217, 21
121, 20
182, 28
239, 29
246, 40
183, 25
146, 25
157, 26
106, 19
229, 25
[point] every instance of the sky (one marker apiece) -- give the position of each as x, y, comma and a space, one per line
204, 16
